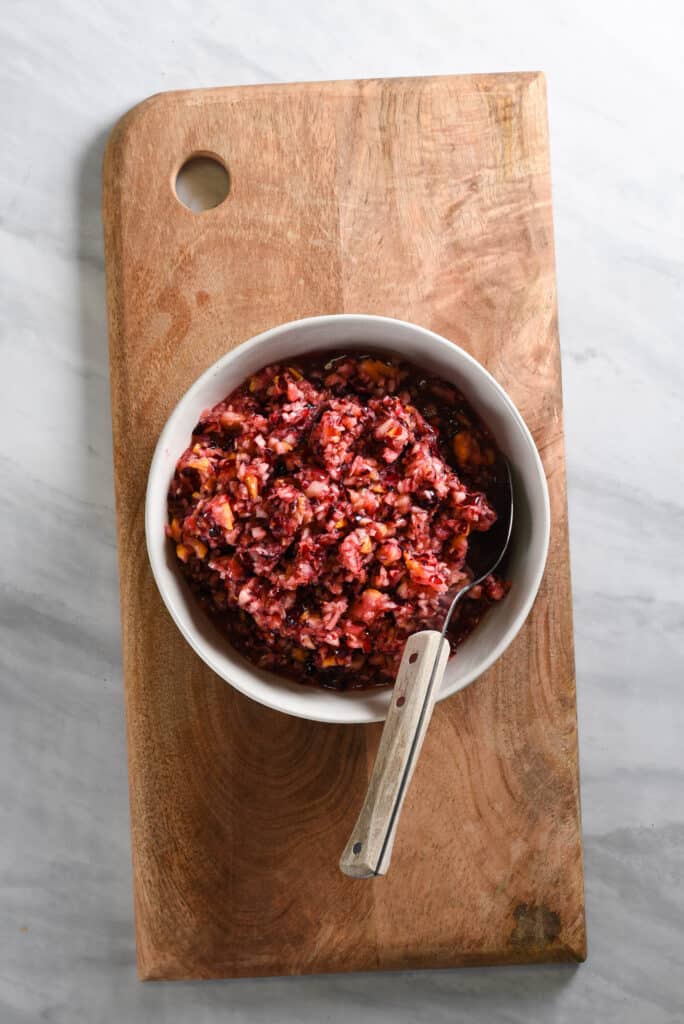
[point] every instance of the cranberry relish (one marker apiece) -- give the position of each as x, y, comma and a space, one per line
323, 509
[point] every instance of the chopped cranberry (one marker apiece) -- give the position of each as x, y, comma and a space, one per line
323, 509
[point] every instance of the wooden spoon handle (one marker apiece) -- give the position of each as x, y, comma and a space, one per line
369, 849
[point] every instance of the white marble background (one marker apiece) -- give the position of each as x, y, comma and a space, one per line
616, 91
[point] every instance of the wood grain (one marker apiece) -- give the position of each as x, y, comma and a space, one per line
424, 199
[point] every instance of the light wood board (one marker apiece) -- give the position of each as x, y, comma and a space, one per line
424, 199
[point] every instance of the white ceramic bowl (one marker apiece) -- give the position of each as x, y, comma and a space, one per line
529, 543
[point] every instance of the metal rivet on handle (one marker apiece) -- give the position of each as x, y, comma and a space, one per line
357, 847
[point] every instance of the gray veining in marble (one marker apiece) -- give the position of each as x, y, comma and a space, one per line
616, 90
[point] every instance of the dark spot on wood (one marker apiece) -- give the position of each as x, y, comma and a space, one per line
535, 926
172, 302
201, 298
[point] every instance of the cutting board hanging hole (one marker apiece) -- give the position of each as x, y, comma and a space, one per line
202, 183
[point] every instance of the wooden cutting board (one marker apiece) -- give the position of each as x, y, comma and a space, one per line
424, 199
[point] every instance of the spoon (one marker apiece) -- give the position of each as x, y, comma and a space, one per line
422, 666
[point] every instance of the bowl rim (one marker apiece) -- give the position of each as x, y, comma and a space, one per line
257, 340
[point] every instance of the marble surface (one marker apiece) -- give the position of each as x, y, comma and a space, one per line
616, 91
